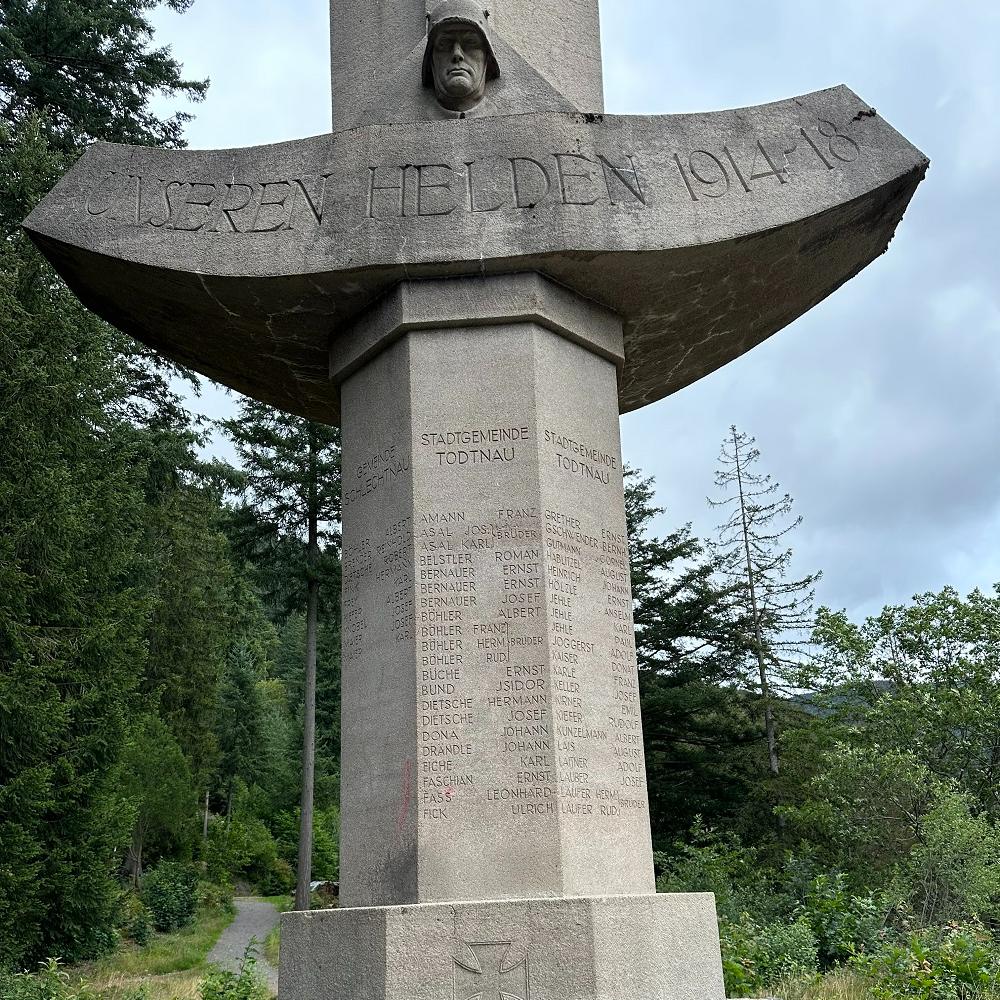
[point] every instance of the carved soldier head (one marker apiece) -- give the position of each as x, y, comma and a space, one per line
459, 58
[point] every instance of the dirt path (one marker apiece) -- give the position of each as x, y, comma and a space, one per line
255, 918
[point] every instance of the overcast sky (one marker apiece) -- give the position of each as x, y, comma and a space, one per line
879, 411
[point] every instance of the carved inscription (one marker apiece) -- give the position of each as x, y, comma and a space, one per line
526, 663
589, 463
479, 446
513, 182
376, 472
723, 171
196, 206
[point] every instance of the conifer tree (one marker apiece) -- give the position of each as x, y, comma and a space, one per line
696, 725
85, 426
292, 481
752, 554
87, 71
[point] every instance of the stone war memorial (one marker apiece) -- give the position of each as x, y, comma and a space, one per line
473, 275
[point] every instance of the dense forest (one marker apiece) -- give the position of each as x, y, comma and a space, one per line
170, 643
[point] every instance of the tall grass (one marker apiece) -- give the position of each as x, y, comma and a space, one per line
170, 966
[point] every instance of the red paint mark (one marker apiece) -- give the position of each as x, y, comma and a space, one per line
404, 809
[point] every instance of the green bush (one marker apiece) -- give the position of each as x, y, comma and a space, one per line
245, 850
326, 844
221, 984
843, 924
954, 963
720, 864
216, 896
140, 927
759, 956
277, 878
952, 874
170, 892
135, 921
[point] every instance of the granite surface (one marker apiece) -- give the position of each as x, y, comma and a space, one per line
704, 233
549, 53
492, 742
656, 947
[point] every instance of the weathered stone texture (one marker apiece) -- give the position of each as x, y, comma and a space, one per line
474, 279
488, 628
377, 49
656, 947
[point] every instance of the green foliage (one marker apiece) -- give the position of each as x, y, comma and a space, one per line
895, 828
136, 920
326, 844
923, 679
52, 982
699, 732
170, 892
216, 897
243, 985
956, 963
240, 722
708, 861
245, 849
140, 928
843, 924
154, 778
71, 622
952, 873
760, 956
291, 466
84, 416
191, 627
88, 67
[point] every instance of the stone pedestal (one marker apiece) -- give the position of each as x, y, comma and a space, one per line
493, 769
653, 947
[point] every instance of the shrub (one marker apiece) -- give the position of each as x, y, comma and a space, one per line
954, 963
277, 878
326, 844
843, 924
245, 850
757, 956
140, 927
170, 892
135, 921
216, 897
952, 875
716, 863
220, 984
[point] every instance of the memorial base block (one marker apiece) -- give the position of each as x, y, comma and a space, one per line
648, 947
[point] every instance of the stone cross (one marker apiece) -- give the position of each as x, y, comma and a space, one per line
474, 274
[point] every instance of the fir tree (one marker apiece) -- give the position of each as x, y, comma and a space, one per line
78, 408
292, 470
697, 731
87, 70
752, 554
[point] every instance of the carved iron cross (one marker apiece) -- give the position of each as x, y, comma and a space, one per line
488, 974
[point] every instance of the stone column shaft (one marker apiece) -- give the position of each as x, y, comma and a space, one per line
560, 38
495, 837
491, 737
